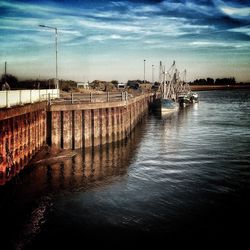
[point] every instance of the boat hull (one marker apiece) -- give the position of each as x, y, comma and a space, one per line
185, 100
168, 106
194, 98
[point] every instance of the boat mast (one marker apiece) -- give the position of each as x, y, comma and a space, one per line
160, 72
164, 84
162, 80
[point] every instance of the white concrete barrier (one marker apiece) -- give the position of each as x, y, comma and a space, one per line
9, 98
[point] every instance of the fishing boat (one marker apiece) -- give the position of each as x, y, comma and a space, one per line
185, 96
183, 100
175, 90
168, 106
169, 102
187, 99
194, 97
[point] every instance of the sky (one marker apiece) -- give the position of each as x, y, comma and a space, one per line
109, 40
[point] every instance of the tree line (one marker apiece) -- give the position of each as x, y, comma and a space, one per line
65, 85
14, 83
68, 85
211, 81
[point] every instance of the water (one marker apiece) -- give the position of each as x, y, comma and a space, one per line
181, 178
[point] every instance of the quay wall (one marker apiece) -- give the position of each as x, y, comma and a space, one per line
84, 125
25, 129
22, 133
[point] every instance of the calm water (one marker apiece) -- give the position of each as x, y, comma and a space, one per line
180, 178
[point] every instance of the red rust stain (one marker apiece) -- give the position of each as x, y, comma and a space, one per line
21, 136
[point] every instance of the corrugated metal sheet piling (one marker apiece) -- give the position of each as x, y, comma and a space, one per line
25, 129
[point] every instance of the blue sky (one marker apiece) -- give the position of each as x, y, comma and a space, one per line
108, 40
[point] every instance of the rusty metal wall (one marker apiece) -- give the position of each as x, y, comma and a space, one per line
22, 133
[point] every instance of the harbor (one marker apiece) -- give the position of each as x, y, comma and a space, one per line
66, 124
32, 119
148, 156
124, 124
186, 171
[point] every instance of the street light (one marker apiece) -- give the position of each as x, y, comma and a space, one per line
144, 72
152, 74
49, 27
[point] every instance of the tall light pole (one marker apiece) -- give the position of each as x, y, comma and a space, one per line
5, 69
153, 74
144, 72
54, 28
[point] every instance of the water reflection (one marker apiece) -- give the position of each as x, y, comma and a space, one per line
171, 125
90, 167
93, 167
184, 176
34, 190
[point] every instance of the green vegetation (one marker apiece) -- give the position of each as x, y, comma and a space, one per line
14, 83
69, 85
211, 81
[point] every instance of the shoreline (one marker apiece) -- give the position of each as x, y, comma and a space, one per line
219, 87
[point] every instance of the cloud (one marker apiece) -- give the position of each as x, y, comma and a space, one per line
244, 30
236, 12
234, 9
109, 26
163, 18
105, 37
164, 26
243, 12
209, 44
152, 23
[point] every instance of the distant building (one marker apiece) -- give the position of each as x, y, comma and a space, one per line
83, 85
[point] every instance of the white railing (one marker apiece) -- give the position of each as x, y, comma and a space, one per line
10, 98
70, 98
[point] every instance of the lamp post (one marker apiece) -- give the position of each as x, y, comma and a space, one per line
54, 28
144, 72
5, 69
152, 74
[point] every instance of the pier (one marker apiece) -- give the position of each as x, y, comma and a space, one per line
72, 121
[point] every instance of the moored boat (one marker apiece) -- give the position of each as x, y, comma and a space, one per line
187, 99
194, 97
168, 106
168, 102
183, 100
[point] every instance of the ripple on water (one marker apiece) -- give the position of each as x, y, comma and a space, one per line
185, 174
